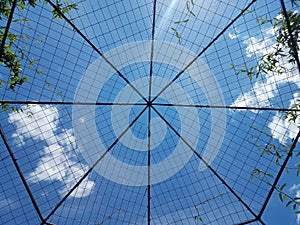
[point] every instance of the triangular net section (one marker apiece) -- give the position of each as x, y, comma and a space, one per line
147, 112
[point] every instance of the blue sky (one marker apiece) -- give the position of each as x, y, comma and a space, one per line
56, 144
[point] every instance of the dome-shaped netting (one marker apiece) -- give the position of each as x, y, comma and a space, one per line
146, 112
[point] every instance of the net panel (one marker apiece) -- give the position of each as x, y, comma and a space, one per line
140, 113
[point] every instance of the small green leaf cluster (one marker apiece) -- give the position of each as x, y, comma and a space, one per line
282, 49
259, 174
293, 115
189, 5
278, 154
283, 36
63, 8
12, 60
13, 55
282, 193
290, 201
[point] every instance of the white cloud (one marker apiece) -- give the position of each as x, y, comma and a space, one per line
258, 96
57, 162
67, 139
296, 189
233, 34
35, 122
270, 31
281, 128
264, 90
257, 46
18, 139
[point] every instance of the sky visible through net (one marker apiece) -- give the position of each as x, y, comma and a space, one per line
133, 114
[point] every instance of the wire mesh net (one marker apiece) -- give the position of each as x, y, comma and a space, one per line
142, 112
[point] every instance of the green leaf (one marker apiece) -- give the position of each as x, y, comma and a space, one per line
282, 187
286, 169
286, 197
187, 5
289, 202
4, 106
14, 109
181, 21
39, 71
280, 196
193, 14
198, 218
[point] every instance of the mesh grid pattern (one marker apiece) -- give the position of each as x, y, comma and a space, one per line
133, 113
